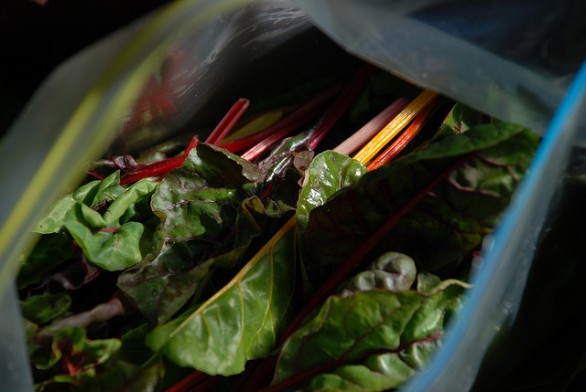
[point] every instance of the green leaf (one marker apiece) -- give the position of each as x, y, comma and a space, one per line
74, 351
44, 308
165, 281
124, 376
241, 321
91, 194
111, 251
327, 174
391, 271
209, 221
448, 223
201, 199
105, 242
282, 157
459, 120
109, 189
369, 341
53, 221
219, 167
161, 286
119, 207
50, 251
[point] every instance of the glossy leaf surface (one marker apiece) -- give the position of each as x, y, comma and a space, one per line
241, 321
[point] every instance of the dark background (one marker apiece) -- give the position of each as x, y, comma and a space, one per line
34, 39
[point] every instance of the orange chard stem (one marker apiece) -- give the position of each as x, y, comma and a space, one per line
402, 141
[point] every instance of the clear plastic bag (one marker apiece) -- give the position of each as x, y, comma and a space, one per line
197, 49
491, 55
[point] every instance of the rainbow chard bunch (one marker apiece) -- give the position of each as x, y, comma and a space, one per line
268, 257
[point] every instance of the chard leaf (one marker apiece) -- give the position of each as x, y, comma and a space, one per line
370, 340
92, 194
392, 271
328, 173
219, 167
161, 286
459, 120
241, 321
106, 373
109, 189
447, 223
111, 251
209, 221
282, 157
124, 376
75, 352
53, 221
168, 278
44, 308
50, 251
105, 242
202, 197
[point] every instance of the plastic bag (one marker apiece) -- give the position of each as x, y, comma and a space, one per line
197, 49
511, 60
501, 273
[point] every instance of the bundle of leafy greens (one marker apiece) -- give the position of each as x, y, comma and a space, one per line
288, 266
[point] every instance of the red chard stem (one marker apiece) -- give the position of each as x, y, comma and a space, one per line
160, 168
302, 115
227, 123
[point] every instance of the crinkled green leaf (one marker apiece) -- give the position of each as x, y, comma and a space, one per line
44, 308
162, 285
74, 351
202, 198
209, 221
53, 221
104, 241
391, 271
449, 222
327, 174
112, 251
221, 168
50, 251
282, 157
109, 189
116, 375
241, 321
124, 376
91, 194
118, 208
368, 341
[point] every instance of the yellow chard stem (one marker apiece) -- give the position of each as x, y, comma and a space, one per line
393, 128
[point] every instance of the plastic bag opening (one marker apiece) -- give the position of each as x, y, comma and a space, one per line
173, 64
